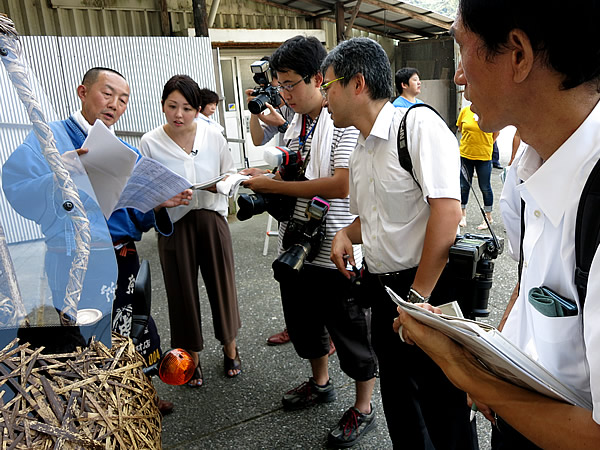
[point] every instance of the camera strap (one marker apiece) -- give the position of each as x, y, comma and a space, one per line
402, 141
302, 139
303, 134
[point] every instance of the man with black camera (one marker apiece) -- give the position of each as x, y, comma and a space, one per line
264, 126
317, 300
406, 222
262, 129
519, 71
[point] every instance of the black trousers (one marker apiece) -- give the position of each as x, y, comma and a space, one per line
505, 437
422, 408
319, 302
129, 264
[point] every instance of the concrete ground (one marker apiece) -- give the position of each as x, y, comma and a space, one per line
246, 412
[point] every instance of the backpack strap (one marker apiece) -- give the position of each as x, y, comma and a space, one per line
403, 154
587, 231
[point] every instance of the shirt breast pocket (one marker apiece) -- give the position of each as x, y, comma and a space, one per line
401, 200
559, 346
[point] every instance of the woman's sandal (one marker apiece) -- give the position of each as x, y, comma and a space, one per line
232, 364
197, 379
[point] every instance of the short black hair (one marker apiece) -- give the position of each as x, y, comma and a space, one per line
365, 56
403, 76
91, 76
301, 54
577, 60
188, 88
208, 97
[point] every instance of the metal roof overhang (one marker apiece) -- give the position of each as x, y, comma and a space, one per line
392, 19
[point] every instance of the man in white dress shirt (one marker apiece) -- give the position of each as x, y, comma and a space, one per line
406, 226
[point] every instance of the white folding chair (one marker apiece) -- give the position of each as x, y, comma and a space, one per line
269, 234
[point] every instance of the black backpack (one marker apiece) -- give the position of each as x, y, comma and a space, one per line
587, 224
587, 231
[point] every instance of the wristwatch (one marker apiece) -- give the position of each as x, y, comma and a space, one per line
284, 126
415, 297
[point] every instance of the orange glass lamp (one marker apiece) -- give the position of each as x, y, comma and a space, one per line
175, 367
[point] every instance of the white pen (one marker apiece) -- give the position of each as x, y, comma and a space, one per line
473, 411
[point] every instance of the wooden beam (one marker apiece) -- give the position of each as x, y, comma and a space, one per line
339, 21
396, 25
368, 30
200, 17
165, 23
230, 44
286, 8
350, 23
409, 13
322, 5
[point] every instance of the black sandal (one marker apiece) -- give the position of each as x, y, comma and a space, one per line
197, 379
232, 364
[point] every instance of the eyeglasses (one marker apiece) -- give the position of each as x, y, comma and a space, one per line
290, 87
325, 87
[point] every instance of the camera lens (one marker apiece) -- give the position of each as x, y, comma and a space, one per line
290, 262
249, 205
258, 104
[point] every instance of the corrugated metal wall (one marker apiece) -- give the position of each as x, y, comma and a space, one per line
59, 63
137, 17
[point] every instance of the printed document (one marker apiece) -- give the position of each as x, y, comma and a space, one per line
150, 184
496, 353
119, 182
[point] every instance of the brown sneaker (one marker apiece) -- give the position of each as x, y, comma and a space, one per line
165, 407
331, 347
279, 338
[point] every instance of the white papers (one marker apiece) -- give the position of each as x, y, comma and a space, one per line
231, 184
119, 182
150, 184
208, 183
496, 353
108, 164
452, 309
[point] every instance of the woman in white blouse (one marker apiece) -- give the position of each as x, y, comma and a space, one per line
201, 237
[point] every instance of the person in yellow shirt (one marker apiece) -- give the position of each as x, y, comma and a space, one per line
475, 154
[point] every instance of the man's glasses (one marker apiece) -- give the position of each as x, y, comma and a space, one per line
290, 87
325, 87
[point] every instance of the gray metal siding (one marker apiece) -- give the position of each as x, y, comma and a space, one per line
137, 18
59, 63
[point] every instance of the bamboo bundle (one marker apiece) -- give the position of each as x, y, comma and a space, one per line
93, 398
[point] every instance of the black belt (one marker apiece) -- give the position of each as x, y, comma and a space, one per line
387, 278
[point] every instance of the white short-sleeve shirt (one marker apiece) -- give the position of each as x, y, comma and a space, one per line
566, 346
393, 209
210, 158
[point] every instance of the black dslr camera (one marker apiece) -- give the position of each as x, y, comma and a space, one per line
281, 207
264, 92
302, 240
471, 268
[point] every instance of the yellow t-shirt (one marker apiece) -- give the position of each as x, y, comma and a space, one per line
474, 143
